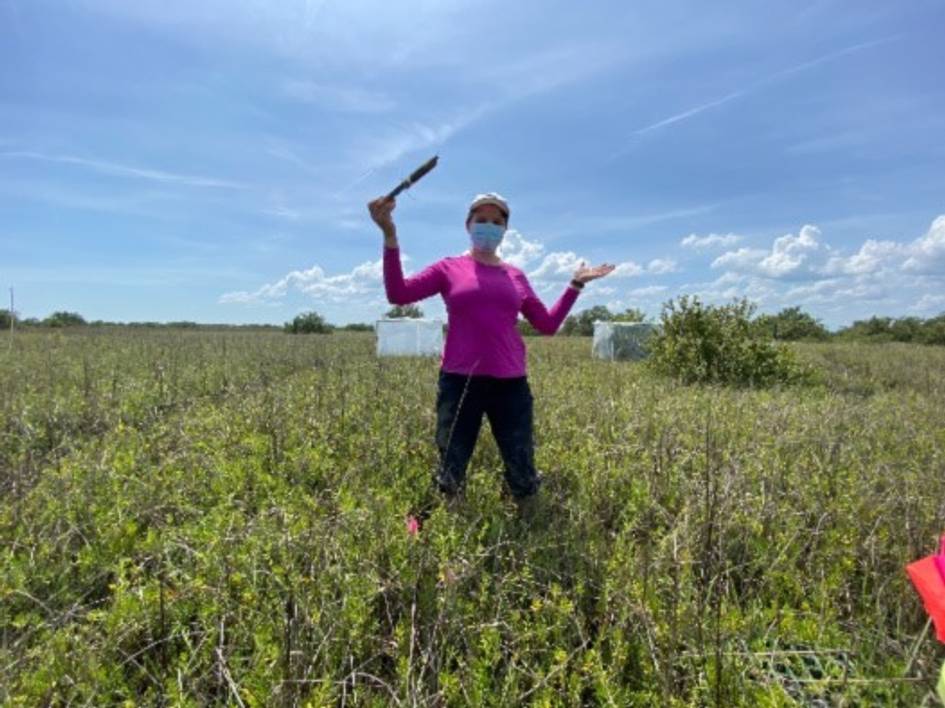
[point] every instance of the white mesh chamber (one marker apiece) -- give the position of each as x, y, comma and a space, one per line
621, 341
409, 337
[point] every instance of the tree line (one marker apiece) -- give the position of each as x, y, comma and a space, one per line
790, 324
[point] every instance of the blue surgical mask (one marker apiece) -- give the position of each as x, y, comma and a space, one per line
485, 236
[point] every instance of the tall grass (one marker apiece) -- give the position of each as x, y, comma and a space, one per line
193, 517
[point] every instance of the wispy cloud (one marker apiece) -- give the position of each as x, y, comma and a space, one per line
758, 85
280, 150
349, 99
150, 203
547, 70
120, 170
637, 221
689, 113
532, 75
378, 152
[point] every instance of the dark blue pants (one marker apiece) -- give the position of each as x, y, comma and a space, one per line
460, 403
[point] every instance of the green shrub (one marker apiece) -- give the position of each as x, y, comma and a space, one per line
701, 343
64, 319
582, 323
411, 311
308, 323
792, 324
892, 329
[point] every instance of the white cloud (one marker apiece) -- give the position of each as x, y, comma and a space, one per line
556, 266
791, 253
742, 259
791, 256
873, 256
805, 257
648, 291
548, 271
561, 265
364, 280
660, 266
518, 250
927, 254
879, 277
711, 241
627, 269
929, 304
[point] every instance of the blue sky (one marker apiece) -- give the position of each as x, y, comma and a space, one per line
210, 160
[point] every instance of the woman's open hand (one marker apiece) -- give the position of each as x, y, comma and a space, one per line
382, 213
586, 273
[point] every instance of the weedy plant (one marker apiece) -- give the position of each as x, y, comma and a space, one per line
194, 518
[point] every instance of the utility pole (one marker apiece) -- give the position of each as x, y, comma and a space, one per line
12, 317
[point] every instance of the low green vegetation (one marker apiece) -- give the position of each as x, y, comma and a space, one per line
902, 329
195, 518
581, 324
411, 311
792, 325
710, 344
308, 323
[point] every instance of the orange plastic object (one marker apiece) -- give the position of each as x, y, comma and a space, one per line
930, 583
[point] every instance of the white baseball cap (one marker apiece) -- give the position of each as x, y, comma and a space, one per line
492, 198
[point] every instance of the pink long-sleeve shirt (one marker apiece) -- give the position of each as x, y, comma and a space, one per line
482, 305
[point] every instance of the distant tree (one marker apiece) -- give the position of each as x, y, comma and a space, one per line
525, 328
902, 329
906, 329
411, 311
933, 330
6, 317
64, 319
875, 329
308, 323
631, 314
791, 324
582, 324
358, 327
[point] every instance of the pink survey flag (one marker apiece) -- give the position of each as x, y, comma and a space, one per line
928, 576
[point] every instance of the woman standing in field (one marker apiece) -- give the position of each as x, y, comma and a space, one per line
483, 366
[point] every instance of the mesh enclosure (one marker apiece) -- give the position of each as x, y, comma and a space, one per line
621, 341
409, 337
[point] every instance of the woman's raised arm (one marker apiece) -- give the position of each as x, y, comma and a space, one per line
400, 290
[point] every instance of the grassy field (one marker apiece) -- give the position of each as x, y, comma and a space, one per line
210, 517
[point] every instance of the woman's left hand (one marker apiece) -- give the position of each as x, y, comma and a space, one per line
585, 273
